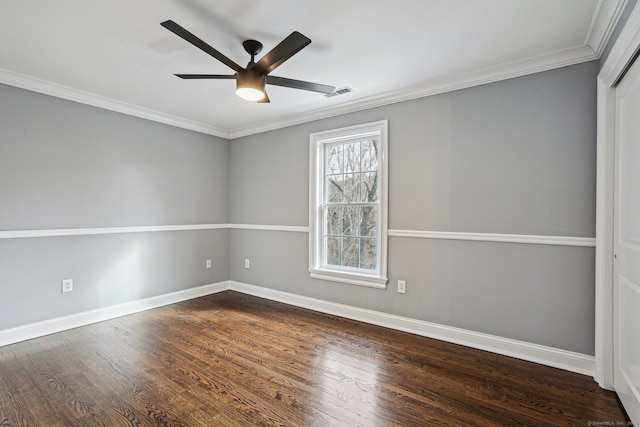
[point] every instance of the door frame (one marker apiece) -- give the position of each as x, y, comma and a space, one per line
620, 57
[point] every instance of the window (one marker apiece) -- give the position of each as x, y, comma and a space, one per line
348, 205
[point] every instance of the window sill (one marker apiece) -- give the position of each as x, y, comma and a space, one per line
351, 279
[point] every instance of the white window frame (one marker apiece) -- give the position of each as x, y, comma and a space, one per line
317, 269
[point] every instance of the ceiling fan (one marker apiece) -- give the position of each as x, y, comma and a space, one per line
251, 80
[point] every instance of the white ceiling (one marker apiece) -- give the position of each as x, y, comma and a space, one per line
114, 53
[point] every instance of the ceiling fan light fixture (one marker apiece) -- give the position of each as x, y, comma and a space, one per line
250, 85
250, 93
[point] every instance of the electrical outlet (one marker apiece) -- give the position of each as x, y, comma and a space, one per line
208, 263
247, 263
67, 285
402, 286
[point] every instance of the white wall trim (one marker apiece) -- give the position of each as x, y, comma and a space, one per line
442, 235
557, 358
623, 49
537, 64
492, 237
620, 55
351, 279
292, 228
532, 65
604, 235
604, 22
61, 232
39, 329
65, 92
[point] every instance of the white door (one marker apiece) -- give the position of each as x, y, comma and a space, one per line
627, 244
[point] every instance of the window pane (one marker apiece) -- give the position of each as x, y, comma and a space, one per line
335, 159
335, 188
369, 187
351, 188
352, 157
351, 221
368, 255
334, 220
350, 252
368, 221
332, 250
369, 156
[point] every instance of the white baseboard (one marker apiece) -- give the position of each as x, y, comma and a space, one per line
557, 358
39, 329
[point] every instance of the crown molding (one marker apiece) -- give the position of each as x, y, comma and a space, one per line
65, 92
604, 22
505, 71
558, 59
623, 50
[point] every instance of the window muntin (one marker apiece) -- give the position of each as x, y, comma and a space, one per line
348, 205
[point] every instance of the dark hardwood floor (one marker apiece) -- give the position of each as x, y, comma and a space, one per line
234, 360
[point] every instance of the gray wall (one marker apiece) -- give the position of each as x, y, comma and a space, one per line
514, 157
67, 165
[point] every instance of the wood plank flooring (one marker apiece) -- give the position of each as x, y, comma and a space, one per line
234, 360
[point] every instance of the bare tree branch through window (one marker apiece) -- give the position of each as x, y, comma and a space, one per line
351, 198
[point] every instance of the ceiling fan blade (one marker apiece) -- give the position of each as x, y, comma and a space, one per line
288, 47
179, 31
206, 76
300, 84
